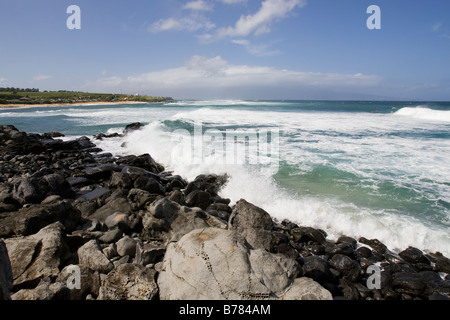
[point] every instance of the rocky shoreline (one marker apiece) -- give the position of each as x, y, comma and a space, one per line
77, 223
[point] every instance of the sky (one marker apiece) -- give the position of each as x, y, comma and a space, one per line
230, 49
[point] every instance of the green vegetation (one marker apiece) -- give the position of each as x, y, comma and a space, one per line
33, 96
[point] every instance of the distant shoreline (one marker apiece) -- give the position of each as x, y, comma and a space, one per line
93, 103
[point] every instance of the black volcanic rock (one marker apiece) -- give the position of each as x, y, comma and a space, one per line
64, 205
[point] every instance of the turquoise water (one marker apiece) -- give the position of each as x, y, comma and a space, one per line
373, 169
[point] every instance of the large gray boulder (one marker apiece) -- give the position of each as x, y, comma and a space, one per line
218, 264
45, 290
37, 188
37, 256
29, 220
253, 223
91, 255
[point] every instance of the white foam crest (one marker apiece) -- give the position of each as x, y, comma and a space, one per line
224, 102
118, 130
336, 218
424, 113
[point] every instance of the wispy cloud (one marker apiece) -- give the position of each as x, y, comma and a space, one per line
233, 1
253, 24
259, 50
198, 5
261, 21
40, 77
437, 26
442, 32
191, 23
3, 80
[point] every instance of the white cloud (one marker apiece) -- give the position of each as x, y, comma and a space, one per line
437, 26
191, 23
259, 50
200, 76
233, 1
261, 21
40, 77
3, 80
198, 5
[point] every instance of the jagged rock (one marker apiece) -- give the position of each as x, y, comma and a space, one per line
213, 263
147, 253
126, 246
167, 221
363, 252
442, 264
306, 289
119, 204
45, 290
31, 219
97, 193
149, 184
317, 269
414, 255
132, 127
117, 220
38, 255
25, 192
177, 196
52, 134
144, 161
129, 282
198, 198
349, 290
89, 281
349, 268
311, 234
77, 181
35, 189
101, 171
344, 248
375, 244
139, 198
253, 223
346, 239
136, 172
409, 283
92, 256
6, 275
111, 236
121, 180
102, 136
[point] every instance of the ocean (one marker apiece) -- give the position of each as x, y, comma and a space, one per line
357, 168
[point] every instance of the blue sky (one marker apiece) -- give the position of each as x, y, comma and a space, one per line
247, 49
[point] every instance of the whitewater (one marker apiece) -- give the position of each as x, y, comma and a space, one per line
373, 169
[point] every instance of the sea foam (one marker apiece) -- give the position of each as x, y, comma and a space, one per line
331, 214
424, 113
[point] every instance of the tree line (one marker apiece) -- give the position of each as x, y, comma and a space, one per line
12, 89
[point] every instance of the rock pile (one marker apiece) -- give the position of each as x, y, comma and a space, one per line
79, 224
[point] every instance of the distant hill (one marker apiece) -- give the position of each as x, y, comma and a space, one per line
63, 97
